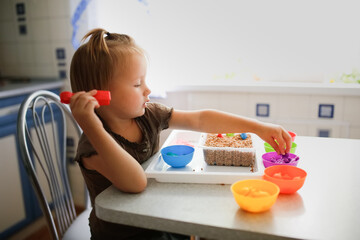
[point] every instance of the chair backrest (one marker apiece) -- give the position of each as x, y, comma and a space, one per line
42, 130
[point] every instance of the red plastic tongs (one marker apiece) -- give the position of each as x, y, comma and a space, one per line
103, 97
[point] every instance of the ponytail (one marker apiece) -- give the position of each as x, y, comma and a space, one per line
96, 43
94, 62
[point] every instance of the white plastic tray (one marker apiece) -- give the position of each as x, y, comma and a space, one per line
197, 171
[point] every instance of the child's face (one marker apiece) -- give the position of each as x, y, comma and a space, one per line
129, 92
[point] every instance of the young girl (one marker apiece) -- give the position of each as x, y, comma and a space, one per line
119, 137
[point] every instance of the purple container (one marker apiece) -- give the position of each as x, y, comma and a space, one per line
272, 159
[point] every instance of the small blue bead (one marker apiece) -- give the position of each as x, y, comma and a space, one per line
243, 136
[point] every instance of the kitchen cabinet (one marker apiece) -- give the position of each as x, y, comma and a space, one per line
317, 109
19, 205
14, 190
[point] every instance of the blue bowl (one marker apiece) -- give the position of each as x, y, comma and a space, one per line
177, 156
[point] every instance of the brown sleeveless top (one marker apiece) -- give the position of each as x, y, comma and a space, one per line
155, 119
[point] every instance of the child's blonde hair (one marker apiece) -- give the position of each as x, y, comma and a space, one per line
94, 63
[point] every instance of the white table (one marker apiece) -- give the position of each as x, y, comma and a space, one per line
327, 206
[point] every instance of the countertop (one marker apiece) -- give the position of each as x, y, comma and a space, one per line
326, 207
19, 86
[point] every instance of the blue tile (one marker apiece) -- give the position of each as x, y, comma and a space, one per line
323, 133
62, 74
60, 53
20, 8
71, 160
70, 142
262, 110
22, 29
326, 111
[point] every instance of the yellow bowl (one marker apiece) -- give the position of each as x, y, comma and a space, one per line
255, 195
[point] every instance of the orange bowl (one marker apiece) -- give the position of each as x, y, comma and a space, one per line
289, 178
255, 195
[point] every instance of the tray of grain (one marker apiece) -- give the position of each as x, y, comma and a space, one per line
224, 150
198, 171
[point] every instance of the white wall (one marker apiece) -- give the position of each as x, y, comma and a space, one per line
230, 41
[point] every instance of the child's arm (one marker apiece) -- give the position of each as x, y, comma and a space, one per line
213, 121
112, 161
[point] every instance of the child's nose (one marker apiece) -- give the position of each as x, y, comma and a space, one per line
147, 91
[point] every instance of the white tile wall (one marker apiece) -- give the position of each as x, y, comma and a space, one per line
59, 9
48, 24
37, 9
9, 59
6, 10
40, 30
26, 54
60, 29
43, 53
8, 29
44, 59
24, 38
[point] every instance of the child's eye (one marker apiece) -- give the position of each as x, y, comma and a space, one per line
137, 85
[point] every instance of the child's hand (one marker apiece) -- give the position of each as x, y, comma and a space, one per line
82, 106
271, 132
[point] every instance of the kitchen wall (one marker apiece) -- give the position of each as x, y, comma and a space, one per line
36, 38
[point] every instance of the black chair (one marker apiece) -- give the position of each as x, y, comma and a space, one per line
42, 131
